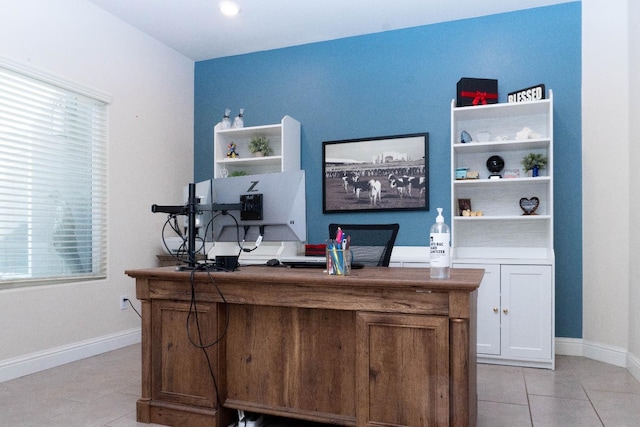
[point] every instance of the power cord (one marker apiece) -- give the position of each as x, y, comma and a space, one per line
134, 309
193, 313
258, 240
172, 222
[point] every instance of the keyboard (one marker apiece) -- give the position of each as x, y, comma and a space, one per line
311, 262
304, 261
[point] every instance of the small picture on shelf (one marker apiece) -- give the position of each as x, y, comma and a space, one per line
511, 173
463, 205
473, 175
529, 206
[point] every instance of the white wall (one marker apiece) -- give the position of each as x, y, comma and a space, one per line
611, 302
634, 141
150, 151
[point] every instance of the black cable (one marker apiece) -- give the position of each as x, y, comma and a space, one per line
240, 244
193, 312
182, 250
134, 309
175, 225
258, 241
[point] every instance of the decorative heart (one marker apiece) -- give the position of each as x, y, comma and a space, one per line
529, 206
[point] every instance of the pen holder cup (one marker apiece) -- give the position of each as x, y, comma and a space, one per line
338, 262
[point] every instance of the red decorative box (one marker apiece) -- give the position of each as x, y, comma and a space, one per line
476, 92
315, 250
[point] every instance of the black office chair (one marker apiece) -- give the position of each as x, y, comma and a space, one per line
371, 244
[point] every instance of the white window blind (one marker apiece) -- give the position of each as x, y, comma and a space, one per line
52, 181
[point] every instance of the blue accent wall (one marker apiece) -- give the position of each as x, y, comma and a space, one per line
403, 81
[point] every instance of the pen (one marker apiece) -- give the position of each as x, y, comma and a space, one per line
336, 261
340, 254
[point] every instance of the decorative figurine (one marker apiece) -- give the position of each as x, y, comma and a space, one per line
527, 133
231, 152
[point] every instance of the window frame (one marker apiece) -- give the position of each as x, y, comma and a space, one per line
94, 142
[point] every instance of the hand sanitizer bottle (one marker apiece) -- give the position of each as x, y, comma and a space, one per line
439, 238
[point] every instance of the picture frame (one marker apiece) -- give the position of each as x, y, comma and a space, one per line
511, 173
463, 205
384, 173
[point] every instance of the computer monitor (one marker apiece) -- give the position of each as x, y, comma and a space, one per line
204, 214
272, 205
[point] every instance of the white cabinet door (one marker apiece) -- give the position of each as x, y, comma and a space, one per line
527, 311
488, 308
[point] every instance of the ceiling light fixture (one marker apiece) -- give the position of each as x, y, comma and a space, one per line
229, 8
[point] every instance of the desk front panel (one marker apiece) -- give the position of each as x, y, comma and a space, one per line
180, 370
292, 361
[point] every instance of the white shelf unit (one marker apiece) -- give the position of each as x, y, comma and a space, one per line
516, 299
502, 231
285, 142
284, 139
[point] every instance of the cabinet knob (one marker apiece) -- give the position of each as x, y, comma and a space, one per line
495, 309
505, 311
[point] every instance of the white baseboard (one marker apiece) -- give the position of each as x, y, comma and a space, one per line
633, 365
597, 351
605, 353
612, 355
569, 347
35, 362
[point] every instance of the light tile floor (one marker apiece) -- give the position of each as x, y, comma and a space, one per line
102, 390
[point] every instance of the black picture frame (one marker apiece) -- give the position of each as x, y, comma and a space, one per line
383, 173
463, 205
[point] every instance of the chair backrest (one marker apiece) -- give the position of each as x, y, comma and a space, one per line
371, 244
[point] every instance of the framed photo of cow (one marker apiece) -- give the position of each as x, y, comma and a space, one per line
376, 174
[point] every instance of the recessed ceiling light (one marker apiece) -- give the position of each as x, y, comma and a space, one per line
229, 8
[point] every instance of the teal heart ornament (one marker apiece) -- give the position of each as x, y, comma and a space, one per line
529, 206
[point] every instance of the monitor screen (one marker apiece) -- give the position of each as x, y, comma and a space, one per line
272, 204
204, 194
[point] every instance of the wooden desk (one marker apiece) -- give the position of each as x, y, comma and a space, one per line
383, 346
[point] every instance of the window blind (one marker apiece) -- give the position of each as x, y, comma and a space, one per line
52, 181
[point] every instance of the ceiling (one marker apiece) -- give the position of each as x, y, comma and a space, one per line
197, 29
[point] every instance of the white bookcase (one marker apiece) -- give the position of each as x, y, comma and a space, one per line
284, 139
285, 142
516, 298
